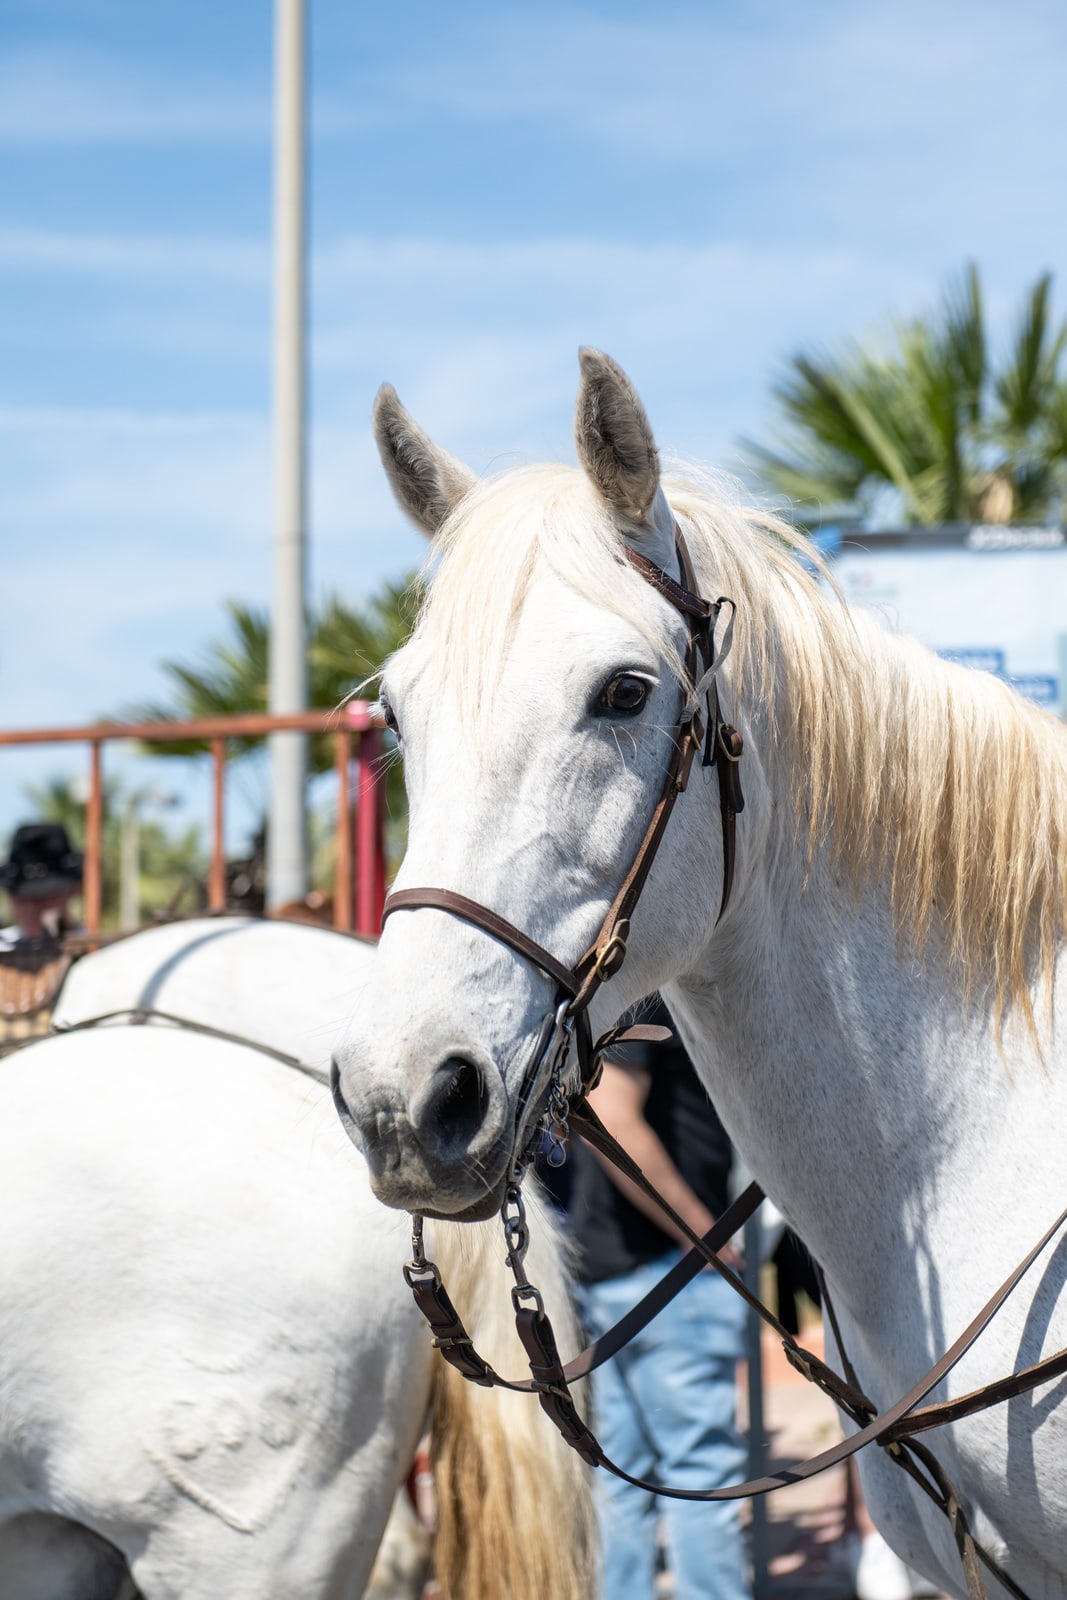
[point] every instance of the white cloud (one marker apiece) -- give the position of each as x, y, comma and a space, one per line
59, 96
122, 256
128, 532
694, 83
483, 335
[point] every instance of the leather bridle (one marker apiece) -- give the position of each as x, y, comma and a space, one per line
894, 1428
700, 725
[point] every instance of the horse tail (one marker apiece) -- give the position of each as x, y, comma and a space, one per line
514, 1501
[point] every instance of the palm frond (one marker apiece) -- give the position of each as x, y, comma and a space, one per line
926, 415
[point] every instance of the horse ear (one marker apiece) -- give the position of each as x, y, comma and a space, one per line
427, 481
614, 440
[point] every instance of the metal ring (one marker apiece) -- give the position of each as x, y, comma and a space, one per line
722, 746
527, 1291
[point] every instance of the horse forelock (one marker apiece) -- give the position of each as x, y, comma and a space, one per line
900, 766
486, 557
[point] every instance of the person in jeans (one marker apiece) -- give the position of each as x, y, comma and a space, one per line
665, 1406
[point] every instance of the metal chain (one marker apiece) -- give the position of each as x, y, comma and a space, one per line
420, 1269
557, 1128
517, 1239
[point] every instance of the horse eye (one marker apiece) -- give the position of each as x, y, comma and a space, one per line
625, 693
389, 716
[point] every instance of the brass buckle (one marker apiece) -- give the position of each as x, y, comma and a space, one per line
727, 752
605, 959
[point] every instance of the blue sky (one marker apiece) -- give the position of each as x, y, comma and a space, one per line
698, 188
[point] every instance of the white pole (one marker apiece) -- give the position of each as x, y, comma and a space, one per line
287, 855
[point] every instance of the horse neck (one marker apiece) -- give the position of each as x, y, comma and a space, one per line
846, 1068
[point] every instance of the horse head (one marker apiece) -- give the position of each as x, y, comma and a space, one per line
542, 697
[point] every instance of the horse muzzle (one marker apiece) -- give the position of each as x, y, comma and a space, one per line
444, 1150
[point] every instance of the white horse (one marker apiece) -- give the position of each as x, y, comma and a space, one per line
212, 1376
873, 1014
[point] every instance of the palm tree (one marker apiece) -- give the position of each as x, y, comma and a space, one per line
167, 863
346, 647
930, 418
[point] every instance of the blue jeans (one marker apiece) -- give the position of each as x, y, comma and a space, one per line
665, 1410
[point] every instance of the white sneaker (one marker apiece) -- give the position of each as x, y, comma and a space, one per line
880, 1573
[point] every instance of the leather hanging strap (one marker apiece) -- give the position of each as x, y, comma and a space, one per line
458, 905
723, 749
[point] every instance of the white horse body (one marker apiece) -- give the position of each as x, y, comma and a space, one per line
199, 1298
209, 1362
247, 975
862, 1012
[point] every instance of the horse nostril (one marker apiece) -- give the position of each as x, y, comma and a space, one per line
461, 1102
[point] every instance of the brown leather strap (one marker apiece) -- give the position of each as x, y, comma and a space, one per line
450, 1336
682, 598
455, 1344
549, 1379
584, 1120
935, 1483
848, 1391
608, 951
669, 1286
990, 1394
137, 1016
458, 905
890, 1429
606, 955
884, 1425
725, 743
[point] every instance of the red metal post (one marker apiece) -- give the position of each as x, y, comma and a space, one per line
370, 854
93, 887
355, 718
217, 881
342, 873
243, 725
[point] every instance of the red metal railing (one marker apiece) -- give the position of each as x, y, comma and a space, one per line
360, 849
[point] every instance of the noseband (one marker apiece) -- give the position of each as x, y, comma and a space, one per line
700, 724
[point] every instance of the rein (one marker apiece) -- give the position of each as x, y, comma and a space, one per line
138, 1016
895, 1428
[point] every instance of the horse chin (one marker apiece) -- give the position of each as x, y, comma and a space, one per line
430, 1198
480, 1211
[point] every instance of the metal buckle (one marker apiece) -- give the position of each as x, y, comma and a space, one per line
420, 1273
454, 1341
526, 1291
723, 745
548, 1059
605, 959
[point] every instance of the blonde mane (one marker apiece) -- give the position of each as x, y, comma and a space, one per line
904, 768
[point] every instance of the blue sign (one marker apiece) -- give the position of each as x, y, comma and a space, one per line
1037, 687
1040, 687
981, 660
